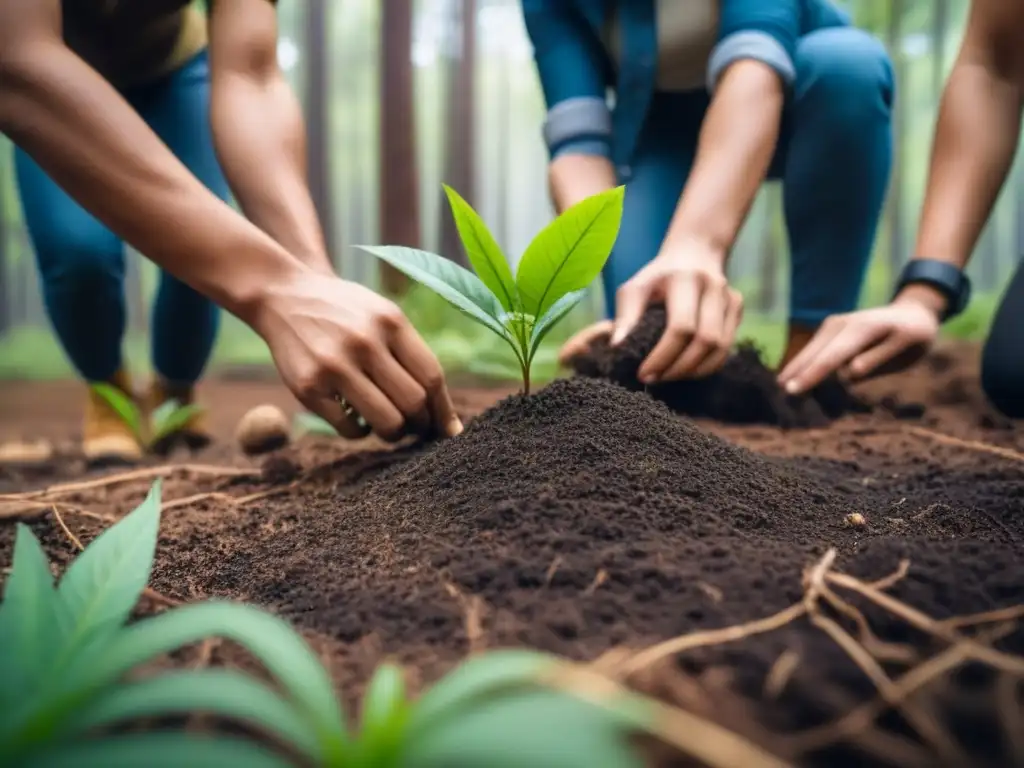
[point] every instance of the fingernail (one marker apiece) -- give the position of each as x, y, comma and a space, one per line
455, 427
792, 387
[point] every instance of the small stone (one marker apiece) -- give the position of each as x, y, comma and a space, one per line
855, 520
265, 428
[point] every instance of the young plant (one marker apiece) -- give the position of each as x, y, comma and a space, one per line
164, 421
65, 652
551, 279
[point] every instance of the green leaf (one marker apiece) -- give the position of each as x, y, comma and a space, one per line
123, 404
160, 750
553, 316
29, 620
570, 251
483, 251
280, 649
169, 421
102, 585
385, 710
220, 692
455, 284
476, 677
525, 729
311, 424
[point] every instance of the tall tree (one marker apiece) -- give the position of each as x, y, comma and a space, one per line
5, 270
460, 143
894, 40
399, 168
317, 107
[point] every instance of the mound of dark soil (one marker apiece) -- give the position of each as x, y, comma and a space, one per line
588, 516
745, 391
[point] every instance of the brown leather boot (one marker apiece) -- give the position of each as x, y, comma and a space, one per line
193, 432
106, 437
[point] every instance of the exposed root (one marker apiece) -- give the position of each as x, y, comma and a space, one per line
67, 531
970, 445
147, 473
924, 723
473, 609
226, 498
599, 579
780, 673
697, 737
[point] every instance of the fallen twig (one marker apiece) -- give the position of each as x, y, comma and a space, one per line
780, 673
125, 477
36, 508
67, 531
971, 445
227, 498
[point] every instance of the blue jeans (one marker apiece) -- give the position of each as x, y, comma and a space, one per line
81, 262
833, 158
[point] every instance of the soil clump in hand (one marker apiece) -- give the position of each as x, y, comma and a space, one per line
744, 391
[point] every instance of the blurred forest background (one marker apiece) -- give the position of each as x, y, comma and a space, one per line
401, 95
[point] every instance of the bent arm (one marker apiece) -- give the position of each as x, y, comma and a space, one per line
258, 128
94, 145
748, 72
975, 139
578, 128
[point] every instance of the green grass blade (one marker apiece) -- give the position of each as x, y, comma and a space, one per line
455, 284
102, 585
160, 750
524, 729
29, 622
484, 253
477, 677
173, 420
570, 252
163, 411
385, 710
556, 312
280, 649
220, 692
125, 407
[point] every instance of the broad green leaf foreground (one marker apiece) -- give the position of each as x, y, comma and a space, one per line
70, 699
553, 274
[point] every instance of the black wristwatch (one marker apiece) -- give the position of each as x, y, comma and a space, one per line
943, 277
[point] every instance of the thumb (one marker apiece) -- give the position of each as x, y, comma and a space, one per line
630, 305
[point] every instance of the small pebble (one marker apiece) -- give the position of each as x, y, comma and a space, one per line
265, 428
855, 520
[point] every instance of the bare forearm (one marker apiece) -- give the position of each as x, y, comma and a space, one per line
975, 140
736, 144
260, 139
573, 178
80, 130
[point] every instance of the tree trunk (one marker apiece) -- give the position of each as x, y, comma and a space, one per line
893, 40
399, 167
460, 149
6, 289
940, 29
317, 107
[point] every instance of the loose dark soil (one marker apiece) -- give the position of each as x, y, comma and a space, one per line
589, 516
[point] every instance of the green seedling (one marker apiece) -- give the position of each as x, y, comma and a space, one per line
165, 420
66, 652
552, 277
306, 423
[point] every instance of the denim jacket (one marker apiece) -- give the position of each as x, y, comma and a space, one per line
576, 72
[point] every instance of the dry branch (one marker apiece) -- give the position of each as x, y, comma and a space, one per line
970, 445
147, 473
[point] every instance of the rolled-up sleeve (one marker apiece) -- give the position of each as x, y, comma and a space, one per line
762, 30
572, 75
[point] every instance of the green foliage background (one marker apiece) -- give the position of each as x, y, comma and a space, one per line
510, 193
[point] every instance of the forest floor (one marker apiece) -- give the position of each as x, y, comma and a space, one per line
588, 519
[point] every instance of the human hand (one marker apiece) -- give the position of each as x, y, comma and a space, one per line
702, 312
580, 343
859, 344
333, 339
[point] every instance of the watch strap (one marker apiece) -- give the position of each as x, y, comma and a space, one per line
949, 280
